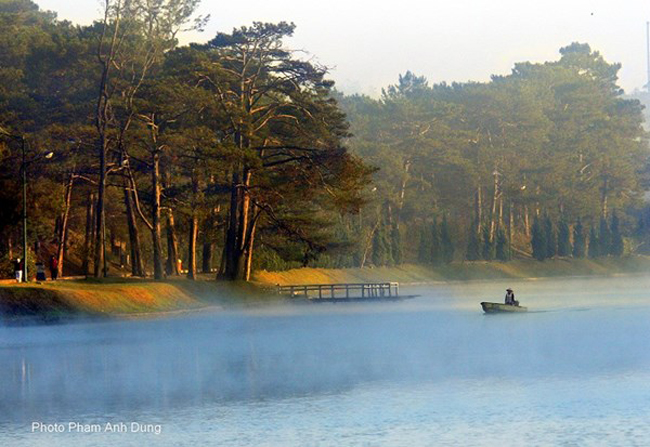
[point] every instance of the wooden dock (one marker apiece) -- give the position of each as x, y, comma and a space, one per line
344, 292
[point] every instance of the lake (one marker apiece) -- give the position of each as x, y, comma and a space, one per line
431, 371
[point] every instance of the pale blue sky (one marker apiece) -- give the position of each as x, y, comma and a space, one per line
368, 43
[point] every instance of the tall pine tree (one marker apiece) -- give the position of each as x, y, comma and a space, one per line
594, 244
473, 244
563, 239
551, 238
617, 245
446, 241
538, 241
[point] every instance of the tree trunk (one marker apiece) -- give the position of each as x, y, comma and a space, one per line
526, 221
100, 235
137, 263
206, 259
402, 192
63, 231
158, 272
230, 247
603, 198
172, 246
495, 198
249, 249
10, 248
191, 255
90, 208
477, 209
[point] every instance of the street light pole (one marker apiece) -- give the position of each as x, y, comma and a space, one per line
24, 164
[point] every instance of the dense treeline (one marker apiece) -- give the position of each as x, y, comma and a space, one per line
233, 155
535, 158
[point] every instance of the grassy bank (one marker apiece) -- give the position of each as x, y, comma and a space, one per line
461, 271
50, 300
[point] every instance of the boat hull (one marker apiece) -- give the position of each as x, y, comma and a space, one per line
495, 308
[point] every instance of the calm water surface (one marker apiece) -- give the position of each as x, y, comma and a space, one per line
432, 371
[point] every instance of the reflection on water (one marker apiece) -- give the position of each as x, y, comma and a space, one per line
429, 371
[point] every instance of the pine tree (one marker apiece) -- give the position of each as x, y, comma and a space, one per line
436, 243
473, 244
579, 242
538, 241
446, 242
594, 244
396, 245
604, 238
551, 238
563, 239
502, 246
488, 246
617, 245
381, 247
424, 249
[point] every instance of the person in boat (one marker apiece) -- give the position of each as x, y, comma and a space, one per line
510, 298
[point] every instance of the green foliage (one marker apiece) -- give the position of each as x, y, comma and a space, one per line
564, 248
551, 238
604, 238
617, 245
446, 241
396, 245
502, 252
538, 241
487, 251
594, 244
473, 244
436, 243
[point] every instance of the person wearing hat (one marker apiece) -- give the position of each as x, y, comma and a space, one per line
510, 298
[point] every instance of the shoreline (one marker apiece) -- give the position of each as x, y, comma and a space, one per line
57, 302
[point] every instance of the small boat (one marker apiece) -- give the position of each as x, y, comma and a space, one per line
493, 308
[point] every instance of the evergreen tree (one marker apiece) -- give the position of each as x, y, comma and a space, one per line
563, 239
502, 245
579, 242
538, 241
551, 238
381, 247
396, 244
604, 238
446, 242
617, 238
594, 244
488, 246
424, 249
473, 244
436, 243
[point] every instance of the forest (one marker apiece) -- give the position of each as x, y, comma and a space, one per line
146, 157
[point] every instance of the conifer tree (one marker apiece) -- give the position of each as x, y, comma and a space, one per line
446, 241
488, 246
551, 238
396, 244
563, 239
502, 245
579, 242
538, 241
617, 238
473, 244
436, 243
604, 238
594, 244
424, 249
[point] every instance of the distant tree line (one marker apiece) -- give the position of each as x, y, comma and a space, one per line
236, 154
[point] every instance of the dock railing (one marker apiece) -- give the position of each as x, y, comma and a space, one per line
334, 291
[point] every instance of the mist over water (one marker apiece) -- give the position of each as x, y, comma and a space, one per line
428, 371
